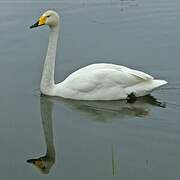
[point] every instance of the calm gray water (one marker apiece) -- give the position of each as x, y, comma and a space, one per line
89, 140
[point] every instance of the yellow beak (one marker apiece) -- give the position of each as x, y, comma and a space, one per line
40, 22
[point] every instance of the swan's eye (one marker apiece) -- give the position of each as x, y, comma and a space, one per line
48, 16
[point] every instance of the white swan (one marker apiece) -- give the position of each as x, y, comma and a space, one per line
94, 82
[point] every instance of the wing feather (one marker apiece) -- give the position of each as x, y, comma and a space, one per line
139, 74
104, 78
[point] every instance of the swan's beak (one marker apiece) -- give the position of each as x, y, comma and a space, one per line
40, 22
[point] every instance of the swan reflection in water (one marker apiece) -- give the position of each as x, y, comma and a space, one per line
105, 111
101, 111
44, 163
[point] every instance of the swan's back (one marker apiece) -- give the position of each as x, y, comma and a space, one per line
100, 66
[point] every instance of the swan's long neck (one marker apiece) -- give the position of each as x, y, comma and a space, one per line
47, 81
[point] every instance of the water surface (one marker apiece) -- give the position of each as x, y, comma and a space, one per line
89, 140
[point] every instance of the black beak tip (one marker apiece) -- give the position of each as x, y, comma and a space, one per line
34, 25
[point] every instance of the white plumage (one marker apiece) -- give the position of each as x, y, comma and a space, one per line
94, 82
106, 82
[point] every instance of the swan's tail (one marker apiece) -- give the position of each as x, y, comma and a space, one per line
150, 86
158, 83
145, 87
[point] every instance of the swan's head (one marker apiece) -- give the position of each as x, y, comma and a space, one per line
50, 18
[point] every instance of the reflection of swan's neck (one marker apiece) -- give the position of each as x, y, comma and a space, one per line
48, 133
46, 114
47, 81
44, 163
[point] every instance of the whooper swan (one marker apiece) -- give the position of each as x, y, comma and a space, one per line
100, 81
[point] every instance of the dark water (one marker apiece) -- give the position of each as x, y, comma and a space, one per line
83, 140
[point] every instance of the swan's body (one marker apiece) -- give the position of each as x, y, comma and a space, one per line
94, 82
105, 82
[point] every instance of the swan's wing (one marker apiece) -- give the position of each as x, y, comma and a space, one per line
136, 73
89, 80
